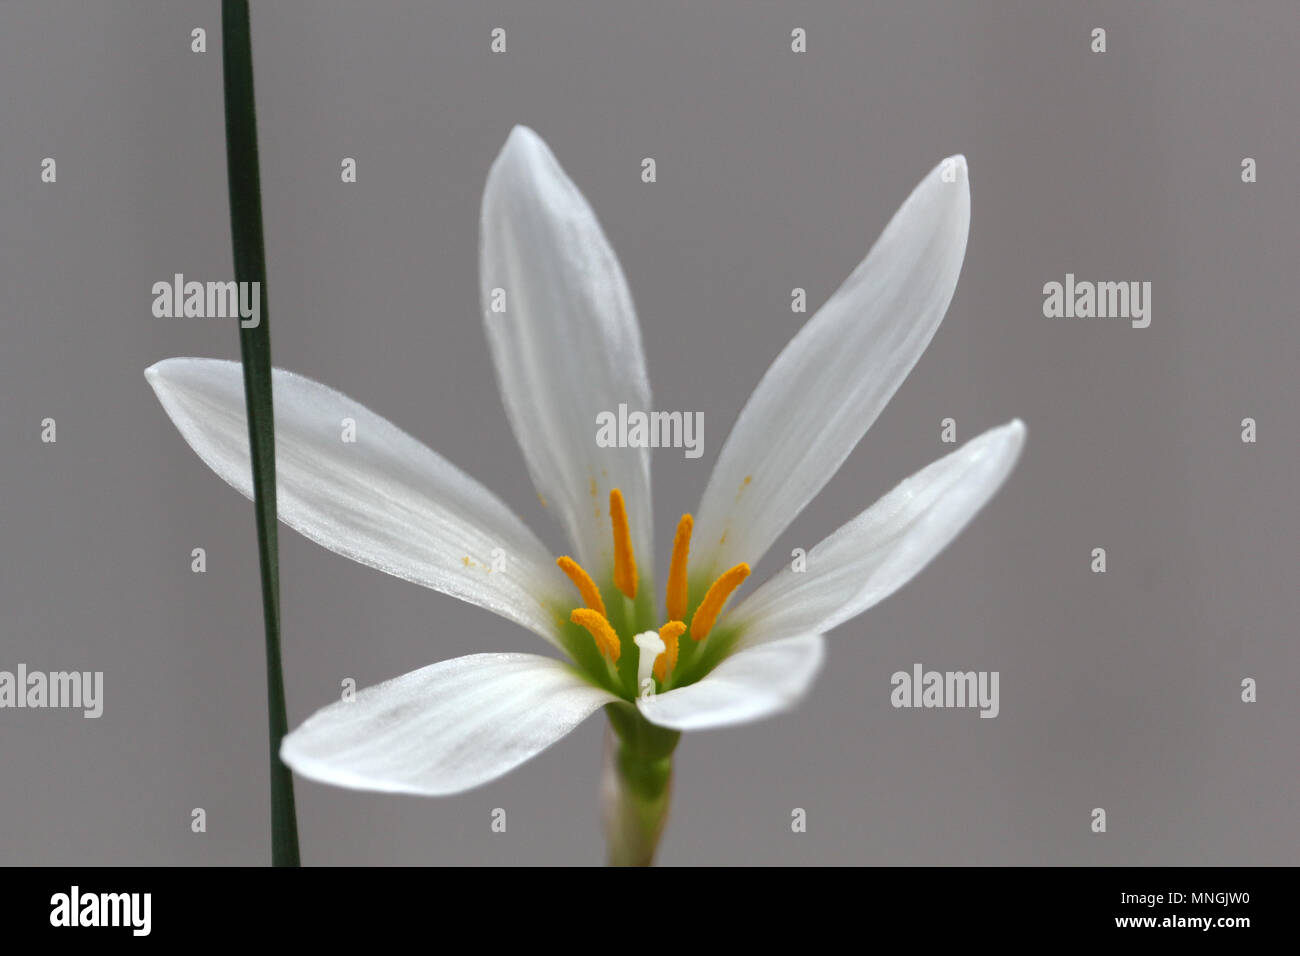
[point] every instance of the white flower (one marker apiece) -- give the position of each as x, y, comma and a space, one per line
567, 347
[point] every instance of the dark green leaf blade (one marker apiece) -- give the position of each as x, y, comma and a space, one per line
255, 351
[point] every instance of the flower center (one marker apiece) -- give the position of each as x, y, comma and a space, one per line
657, 653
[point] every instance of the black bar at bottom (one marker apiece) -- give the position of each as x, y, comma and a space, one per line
597, 907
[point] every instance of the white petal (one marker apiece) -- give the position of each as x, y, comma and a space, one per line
385, 500
750, 684
885, 546
566, 348
831, 382
443, 728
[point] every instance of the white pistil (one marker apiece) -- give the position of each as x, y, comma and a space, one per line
651, 645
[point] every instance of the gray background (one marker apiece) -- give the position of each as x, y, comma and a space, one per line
775, 170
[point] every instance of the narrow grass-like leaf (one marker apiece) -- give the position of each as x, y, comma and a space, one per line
255, 351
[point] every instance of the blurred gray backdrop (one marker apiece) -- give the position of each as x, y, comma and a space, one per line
775, 170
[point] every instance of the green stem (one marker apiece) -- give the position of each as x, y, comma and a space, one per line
636, 785
255, 351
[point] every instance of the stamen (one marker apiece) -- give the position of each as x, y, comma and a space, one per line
583, 582
666, 661
707, 613
675, 599
624, 559
600, 629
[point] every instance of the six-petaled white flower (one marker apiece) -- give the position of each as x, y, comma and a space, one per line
567, 347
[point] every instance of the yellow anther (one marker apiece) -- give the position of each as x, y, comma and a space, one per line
675, 599
666, 661
600, 629
624, 559
583, 582
707, 613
